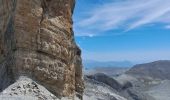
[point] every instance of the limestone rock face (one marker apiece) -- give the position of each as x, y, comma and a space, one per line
37, 41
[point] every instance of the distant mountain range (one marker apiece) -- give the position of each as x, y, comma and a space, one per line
148, 81
158, 69
90, 64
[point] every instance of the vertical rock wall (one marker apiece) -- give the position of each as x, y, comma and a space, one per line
36, 40
7, 9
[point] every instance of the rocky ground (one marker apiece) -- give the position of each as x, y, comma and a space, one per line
161, 91
27, 89
99, 91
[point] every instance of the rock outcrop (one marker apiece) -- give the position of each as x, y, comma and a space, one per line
100, 77
37, 41
96, 90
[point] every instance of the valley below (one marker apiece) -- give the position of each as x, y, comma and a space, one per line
148, 81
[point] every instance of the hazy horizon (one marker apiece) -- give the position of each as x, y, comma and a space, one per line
133, 62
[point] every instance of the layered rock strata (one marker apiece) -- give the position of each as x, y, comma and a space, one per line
37, 41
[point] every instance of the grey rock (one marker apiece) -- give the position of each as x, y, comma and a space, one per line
158, 69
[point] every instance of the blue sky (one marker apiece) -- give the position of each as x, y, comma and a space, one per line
117, 30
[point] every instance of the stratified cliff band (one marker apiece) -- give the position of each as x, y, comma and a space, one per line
37, 41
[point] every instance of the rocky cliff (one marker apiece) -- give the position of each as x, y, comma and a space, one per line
37, 41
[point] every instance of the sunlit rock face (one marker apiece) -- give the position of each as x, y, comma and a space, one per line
37, 40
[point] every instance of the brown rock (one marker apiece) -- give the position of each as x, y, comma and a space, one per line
36, 40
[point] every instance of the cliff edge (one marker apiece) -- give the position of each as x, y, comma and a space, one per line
37, 41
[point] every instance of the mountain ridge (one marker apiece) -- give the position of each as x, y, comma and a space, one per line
157, 69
